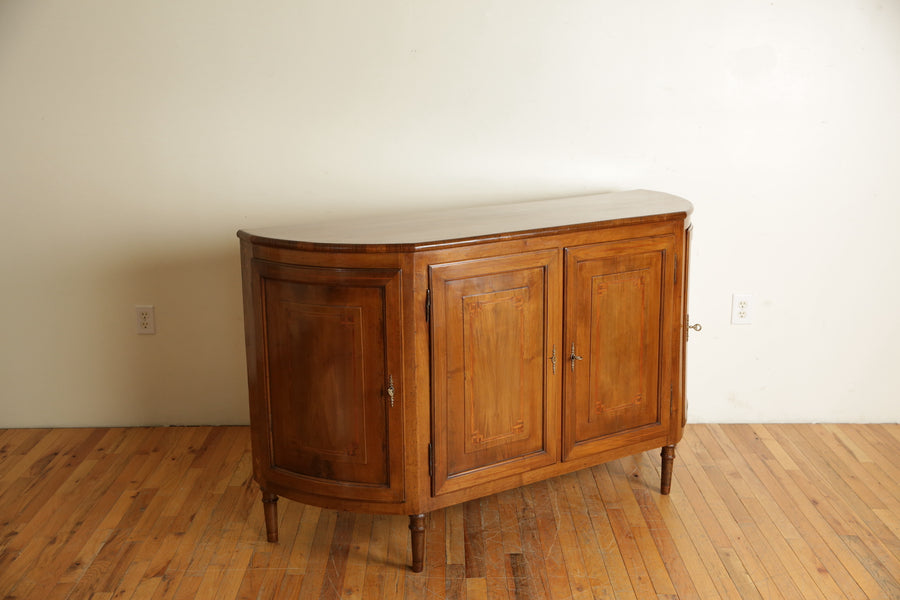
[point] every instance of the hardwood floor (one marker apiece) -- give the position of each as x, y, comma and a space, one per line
756, 511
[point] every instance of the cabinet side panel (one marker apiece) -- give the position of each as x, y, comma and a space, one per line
683, 331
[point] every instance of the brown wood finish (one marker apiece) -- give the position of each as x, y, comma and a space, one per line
424, 369
615, 318
667, 455
493, 406
330, 425
270, 508
685, 329
417, 541
757, 511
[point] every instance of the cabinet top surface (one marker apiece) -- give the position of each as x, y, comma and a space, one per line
430, 227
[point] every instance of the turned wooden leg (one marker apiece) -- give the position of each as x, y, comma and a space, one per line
668, 456
270, 507
417, 537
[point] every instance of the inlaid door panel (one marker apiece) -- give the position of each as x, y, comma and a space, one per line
614, 326
494, 402
331, 363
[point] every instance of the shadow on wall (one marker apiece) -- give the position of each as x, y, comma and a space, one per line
192, 371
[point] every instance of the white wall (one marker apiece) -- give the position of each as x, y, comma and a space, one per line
136, 137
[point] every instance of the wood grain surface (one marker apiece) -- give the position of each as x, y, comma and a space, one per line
756, 511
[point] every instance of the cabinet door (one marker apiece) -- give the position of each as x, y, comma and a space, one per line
331, 338
616, 312
495, 405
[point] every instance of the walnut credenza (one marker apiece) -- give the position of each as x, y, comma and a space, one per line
405, 363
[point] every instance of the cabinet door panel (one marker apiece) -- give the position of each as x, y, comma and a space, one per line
493, 404
332, 430
614, 321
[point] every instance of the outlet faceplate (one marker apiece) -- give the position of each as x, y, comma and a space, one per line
741, 309
146, 319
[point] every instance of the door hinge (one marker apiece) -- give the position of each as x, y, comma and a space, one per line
427, 305
431, 460
671, 399
676, 269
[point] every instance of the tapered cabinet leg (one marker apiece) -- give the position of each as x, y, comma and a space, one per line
270, 507
417, 537
668, 457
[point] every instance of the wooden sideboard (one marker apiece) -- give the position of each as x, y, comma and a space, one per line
404, 363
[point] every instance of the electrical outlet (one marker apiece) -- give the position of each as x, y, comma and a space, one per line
741, 309
146, 319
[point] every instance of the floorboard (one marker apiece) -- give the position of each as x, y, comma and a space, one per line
756, 511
